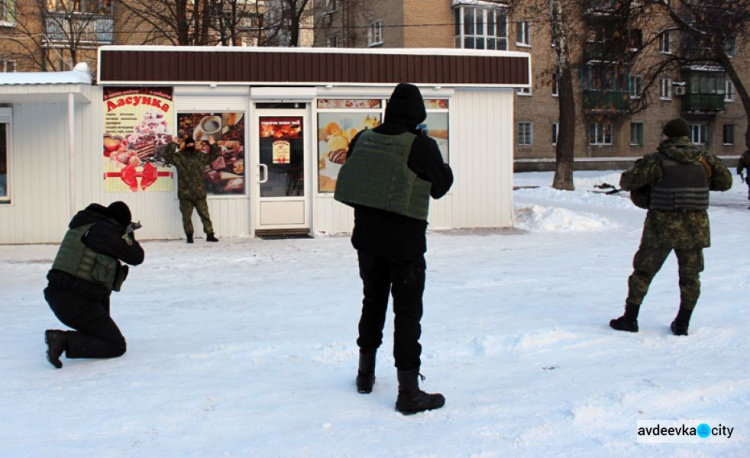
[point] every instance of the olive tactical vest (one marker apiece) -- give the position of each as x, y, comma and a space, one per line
684, 187
75, 258
377, 175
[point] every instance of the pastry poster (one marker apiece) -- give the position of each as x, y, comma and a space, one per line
136, 122
335, 131
225, 175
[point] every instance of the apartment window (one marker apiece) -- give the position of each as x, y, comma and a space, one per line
636, 134
333, 42
249, 21
7, 12
332, 5
376, 33
636, 86
525, 133
555, 85
600, 133
727, 134
636, 39
665, 89
730, 47
699, 134
728, 91
665, 43
480, 28
524, 91
523, 33
555, 132
5, 115
7, 66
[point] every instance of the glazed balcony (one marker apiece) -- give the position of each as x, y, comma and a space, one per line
92, 28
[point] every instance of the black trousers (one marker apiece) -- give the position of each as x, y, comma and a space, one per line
404, 279
96, 335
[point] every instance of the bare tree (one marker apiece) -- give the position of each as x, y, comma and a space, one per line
177, 22
57, 34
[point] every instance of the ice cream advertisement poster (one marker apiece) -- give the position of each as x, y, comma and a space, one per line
136, 124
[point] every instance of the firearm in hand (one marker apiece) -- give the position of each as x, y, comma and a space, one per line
132, 227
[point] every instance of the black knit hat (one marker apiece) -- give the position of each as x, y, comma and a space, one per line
677, 127
120, 212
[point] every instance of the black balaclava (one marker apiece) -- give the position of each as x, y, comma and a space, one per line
120, 212
405, 106
189, 149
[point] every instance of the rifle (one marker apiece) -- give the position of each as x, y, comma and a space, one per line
612, 189
132, 227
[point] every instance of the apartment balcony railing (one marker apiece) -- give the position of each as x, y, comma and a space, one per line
606, 101
92, 28
702, 103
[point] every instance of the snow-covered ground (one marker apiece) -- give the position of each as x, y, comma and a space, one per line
247, 347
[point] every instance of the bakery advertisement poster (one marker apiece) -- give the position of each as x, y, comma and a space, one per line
281, 150
225, 175
136, 124
335, 132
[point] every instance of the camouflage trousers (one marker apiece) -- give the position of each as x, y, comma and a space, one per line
647, 262
186, 208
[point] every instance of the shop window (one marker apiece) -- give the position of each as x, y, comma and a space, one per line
525, 133
600, 133
8, 12
665, 89
5, 155
480, 27
376, 33
699, 134
636, 134
727, 135
523, 33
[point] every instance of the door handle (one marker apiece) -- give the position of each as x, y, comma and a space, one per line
265, 168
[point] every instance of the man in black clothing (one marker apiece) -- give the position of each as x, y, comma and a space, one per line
388, 177
86, 270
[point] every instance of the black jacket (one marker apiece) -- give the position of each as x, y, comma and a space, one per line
390, 235
105, 237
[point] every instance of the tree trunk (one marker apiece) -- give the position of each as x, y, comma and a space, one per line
567, 115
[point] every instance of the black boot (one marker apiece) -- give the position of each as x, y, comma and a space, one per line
189, 238
411, 399
211, 237
681, 322
366, 372
57, 343
629, 320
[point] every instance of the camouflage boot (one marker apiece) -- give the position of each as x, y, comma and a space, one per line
628, 321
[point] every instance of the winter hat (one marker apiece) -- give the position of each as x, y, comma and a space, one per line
120, 212
405, 106
677, 127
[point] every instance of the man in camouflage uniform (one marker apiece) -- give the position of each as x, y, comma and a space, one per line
191, 184
744, 164
680, 176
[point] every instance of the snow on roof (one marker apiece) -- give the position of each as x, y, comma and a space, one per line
81, 74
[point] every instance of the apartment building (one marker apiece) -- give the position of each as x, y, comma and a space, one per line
607, 123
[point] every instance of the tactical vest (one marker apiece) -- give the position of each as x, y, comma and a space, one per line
684, 187
75, 258
377, 175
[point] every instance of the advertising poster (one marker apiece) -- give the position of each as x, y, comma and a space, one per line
282, 154
225, 175
136, 123
335, 131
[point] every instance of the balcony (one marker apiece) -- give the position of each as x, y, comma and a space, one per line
606, 101
702, 103
92, 28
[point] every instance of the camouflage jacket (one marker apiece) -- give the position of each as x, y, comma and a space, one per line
191, 170
676, 229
